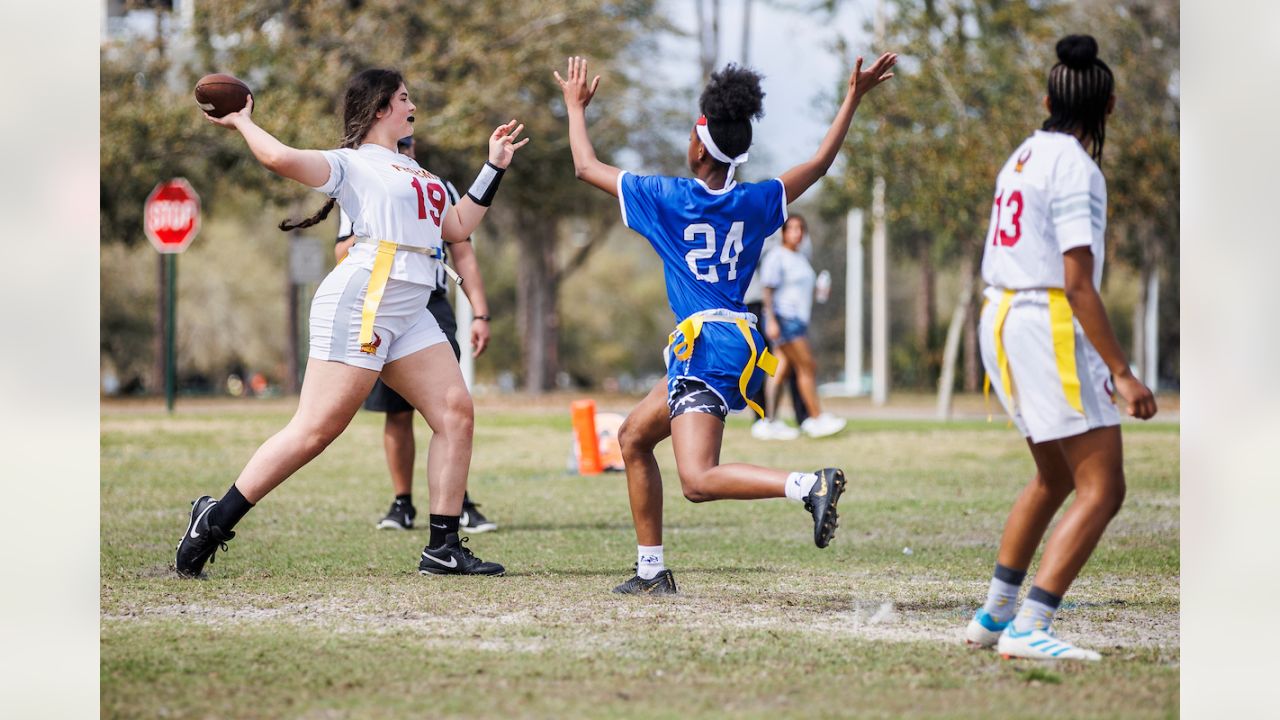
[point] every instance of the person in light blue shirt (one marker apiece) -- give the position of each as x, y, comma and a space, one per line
709, 231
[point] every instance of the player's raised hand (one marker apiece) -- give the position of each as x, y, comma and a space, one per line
576, 91
503, 145
1139, 402
862, 82
230, 120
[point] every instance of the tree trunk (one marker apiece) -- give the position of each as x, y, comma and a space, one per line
972, 359
537, 291
925, 302
708, 37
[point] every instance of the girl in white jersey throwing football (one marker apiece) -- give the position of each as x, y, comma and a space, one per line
1049, 350
369, 316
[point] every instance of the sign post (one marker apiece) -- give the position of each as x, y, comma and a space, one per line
171, 219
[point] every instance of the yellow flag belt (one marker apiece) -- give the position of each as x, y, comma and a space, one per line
691, 327
385, 254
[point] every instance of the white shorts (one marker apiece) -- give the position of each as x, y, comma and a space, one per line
1046, 373
401, 327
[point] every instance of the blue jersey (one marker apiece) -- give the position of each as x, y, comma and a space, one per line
709, 240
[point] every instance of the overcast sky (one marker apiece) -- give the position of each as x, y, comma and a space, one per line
794, 51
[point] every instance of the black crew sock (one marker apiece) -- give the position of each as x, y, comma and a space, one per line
466, 499
1040, 595
441, 527
1009, 575
405, 499
229, 510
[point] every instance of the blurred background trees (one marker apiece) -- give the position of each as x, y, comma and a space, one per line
577, 298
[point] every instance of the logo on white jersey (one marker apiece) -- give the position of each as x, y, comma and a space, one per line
1022, 160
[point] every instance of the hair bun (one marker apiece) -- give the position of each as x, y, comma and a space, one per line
733, 95
1077, 51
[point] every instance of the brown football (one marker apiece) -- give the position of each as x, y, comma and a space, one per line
220, 94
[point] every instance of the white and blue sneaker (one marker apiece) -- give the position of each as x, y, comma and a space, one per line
1040, 645
984, 630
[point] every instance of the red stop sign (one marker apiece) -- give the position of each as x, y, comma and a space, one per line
171, 216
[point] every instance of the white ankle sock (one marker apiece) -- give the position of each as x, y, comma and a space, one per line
649, 561
1002, 600
1037, 611
799, 484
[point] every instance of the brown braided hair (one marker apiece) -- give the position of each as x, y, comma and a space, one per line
1080, 87
367, 93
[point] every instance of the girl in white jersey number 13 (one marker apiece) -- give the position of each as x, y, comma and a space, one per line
369, 316
1052, 357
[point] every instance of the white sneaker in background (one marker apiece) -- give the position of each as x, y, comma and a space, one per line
764, 429
823, 425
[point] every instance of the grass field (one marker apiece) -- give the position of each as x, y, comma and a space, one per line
314, 614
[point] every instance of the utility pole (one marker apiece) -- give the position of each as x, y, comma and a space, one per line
879, 270
853, 304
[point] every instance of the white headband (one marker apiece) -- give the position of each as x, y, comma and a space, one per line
705, 135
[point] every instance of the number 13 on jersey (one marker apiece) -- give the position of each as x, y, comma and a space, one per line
1009, 231
728, 254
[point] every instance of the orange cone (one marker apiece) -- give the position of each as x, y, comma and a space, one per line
583, 413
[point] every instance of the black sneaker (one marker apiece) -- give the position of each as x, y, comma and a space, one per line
664, 583
399, 517
201, 540
473, 521
454, 559
821, 502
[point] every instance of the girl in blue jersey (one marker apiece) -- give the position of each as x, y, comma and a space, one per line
709, 231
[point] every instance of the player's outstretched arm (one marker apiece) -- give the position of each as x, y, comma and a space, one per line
803, 176
1086, 305
577, 95
466, 215
306, 166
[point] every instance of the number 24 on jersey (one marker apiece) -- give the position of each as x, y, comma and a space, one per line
728, 254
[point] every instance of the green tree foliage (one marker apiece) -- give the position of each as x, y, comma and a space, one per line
469, 65
971, 80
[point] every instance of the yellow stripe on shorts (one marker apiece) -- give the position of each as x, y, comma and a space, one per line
386, 253
1002, 359
1063, 329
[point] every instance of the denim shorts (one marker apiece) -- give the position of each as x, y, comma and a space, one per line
792, 329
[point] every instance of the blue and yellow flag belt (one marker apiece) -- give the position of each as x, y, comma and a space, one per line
691, 327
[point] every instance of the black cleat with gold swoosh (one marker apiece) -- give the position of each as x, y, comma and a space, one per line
821, 503
664, 583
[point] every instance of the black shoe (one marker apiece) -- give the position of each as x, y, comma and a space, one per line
664, 583
201, 540
399, 517
454, 559
473, 521
821, 502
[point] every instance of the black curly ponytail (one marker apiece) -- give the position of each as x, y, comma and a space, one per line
367, 93
730, 101
1080, 87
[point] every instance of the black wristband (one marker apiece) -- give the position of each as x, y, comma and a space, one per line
486, 184
480, 317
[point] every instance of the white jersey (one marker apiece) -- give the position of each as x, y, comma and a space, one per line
1050, 197
388, 196
791, 276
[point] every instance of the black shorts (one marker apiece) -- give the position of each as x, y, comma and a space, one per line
693, 395
384, 399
